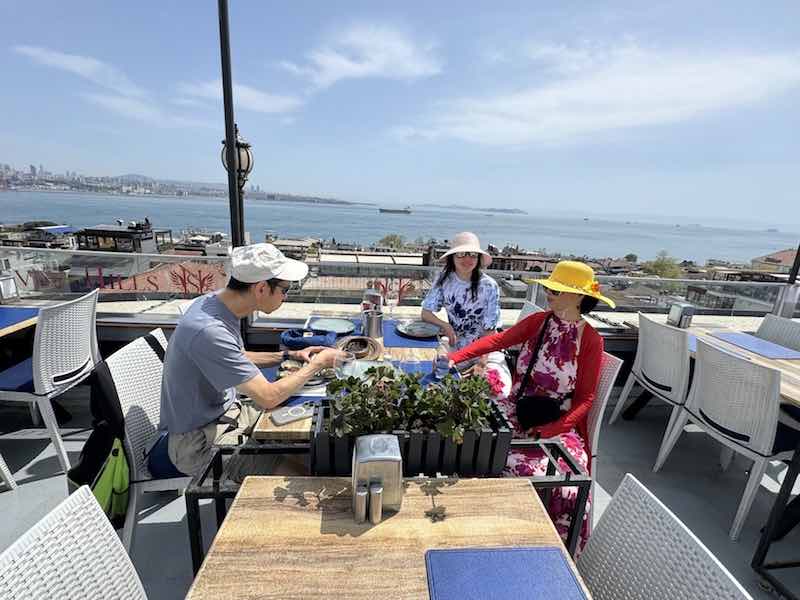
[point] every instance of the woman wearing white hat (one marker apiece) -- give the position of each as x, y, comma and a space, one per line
471, 298
472, 302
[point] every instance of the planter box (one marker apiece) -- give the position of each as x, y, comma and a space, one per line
482, 453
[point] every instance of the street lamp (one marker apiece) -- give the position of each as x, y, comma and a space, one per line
244, 163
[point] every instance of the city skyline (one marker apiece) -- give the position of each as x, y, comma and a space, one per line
616, 108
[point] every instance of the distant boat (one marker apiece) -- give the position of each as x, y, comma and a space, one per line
772, 230
396, 211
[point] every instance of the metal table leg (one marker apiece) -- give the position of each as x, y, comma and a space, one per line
767, 536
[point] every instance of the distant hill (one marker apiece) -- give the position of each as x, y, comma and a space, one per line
505, 211
134, 178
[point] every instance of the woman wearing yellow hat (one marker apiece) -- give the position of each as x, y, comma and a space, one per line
556, 375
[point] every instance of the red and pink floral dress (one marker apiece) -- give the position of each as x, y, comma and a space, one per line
554, 375
569, 362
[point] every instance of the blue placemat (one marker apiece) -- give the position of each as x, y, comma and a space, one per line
271, 373
757, 345
500, 574
392, 339
11, 315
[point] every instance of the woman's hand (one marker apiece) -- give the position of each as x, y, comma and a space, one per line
450, 333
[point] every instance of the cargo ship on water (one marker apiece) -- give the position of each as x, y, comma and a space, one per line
396, 211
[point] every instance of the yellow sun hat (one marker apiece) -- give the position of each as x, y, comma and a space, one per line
575, 277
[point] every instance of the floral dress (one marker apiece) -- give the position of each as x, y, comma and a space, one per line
470, 317
554, 374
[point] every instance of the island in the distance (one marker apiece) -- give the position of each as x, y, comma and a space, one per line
507, 211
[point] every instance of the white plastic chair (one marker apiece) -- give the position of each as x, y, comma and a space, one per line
736, 402
785, 332
780, 330
136, 371
609, 369
528, 308
73, 552
641, 551
661, 366
64, 354
6, 475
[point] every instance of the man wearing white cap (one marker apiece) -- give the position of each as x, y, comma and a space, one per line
206, 361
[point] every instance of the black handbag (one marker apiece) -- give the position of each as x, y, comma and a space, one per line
536, 410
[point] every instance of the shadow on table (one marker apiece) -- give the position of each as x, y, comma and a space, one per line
331, 498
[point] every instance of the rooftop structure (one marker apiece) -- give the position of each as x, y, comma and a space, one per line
779, 262
137, 236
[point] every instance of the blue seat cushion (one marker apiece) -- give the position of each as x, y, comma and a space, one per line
18, 378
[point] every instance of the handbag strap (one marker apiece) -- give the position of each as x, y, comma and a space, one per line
534, 356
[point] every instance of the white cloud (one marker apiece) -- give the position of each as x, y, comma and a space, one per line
143, 110
367, 50
596, 91
123, 97
89, 68
244, 96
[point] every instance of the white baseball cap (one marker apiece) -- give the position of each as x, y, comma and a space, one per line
259, 262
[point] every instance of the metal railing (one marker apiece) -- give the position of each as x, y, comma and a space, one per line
57, 274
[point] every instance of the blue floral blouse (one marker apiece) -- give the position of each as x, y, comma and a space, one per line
469, 318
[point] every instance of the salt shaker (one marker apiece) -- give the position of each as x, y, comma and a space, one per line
375, 503
360, 503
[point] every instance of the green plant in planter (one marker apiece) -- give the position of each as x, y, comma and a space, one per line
386, 400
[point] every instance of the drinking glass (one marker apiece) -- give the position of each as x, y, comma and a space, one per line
343, 365
392, 299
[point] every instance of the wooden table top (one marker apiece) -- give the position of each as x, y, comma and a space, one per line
266, 430
295, 537
790, 369
16, 318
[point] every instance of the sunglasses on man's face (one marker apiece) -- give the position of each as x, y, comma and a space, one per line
284, 289
466, 255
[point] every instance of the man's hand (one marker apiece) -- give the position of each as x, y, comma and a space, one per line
450, 333
324, 358
306, 354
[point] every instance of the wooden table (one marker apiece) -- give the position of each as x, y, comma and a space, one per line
295, 537
790, 369
16, 318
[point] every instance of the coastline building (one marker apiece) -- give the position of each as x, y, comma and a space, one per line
31, 235
777, 262
137, 236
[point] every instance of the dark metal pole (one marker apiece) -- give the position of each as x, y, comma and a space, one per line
795, 267
237, 234
241, 208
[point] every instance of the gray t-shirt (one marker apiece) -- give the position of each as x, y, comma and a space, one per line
204, 358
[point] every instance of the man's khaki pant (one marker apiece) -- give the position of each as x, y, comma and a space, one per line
191, 451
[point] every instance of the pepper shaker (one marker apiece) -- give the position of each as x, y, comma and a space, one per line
375, 503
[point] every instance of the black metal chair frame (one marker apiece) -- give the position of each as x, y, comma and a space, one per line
759, 563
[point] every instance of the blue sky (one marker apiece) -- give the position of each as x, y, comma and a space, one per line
609, 107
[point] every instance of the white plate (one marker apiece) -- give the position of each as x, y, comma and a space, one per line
339, 326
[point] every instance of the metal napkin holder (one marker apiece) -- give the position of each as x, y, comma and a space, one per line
377, 476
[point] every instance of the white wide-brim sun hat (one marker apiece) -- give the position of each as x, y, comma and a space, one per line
466, 241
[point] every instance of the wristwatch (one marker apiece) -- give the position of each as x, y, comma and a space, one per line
286, 355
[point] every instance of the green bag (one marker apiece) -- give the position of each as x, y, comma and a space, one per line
112, 484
